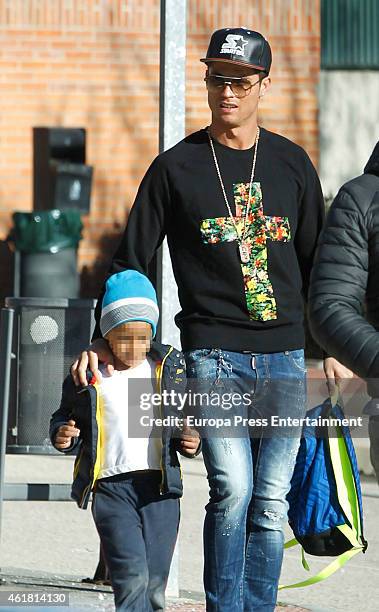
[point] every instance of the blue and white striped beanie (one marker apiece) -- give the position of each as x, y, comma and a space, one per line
129, 296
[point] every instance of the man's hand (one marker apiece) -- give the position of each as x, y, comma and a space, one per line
189, 439
335, 373
99, 350
64, 435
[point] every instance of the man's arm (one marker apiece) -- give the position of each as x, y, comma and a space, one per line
338, 289
144, 232
310, 222
145, 229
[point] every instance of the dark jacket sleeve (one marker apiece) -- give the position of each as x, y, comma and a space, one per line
64, 413
145, 229
338, 288
177, 381
310, 223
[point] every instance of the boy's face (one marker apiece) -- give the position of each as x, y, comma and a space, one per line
130, 342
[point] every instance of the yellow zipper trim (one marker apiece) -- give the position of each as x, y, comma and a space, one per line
99, 413
84, 494
158, 373
99, 416
76, 465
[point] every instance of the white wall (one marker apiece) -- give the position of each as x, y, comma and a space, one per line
348, 123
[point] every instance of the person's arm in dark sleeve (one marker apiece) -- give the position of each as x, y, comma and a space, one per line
310, 223
145, 229
338, 289
63, 415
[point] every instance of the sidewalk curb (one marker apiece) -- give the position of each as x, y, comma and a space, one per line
94, 597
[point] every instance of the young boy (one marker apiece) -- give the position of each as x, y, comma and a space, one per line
136, 481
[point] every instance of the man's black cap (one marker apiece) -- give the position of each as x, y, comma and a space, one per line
239, 46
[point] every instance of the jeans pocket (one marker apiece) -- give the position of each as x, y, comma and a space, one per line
297, 360
198, 355
201, 365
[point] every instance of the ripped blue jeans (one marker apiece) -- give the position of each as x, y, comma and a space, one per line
249, 471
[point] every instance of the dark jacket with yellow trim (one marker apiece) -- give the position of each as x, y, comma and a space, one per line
80, 405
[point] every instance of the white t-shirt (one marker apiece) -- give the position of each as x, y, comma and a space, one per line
119, 453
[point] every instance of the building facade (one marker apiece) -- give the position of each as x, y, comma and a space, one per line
95, 64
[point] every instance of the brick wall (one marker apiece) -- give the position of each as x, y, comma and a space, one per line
94, 64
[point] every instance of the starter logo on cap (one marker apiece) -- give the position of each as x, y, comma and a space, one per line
230, 45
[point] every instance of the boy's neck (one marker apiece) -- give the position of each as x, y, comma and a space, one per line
121, 366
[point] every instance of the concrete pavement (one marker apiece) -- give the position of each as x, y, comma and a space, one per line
51, 546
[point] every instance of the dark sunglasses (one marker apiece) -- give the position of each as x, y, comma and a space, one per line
240, 86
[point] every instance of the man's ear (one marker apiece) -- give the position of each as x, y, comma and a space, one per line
264, 86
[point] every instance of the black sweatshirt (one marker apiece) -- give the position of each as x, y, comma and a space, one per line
253, 306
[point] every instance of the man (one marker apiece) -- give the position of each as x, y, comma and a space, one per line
344, 292
242, 209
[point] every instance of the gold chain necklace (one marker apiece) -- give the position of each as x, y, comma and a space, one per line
242, 244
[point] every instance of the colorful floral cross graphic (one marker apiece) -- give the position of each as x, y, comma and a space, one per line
260, 300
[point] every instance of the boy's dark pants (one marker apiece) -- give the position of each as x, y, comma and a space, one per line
138, 529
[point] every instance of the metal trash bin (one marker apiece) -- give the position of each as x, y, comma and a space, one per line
47, 242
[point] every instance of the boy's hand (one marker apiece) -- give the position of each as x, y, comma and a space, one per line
99, 350
64, 435
189, 439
